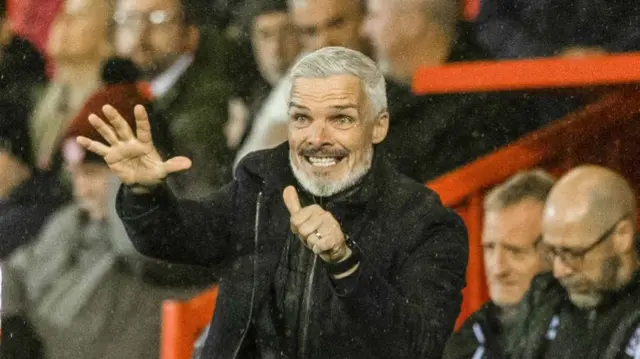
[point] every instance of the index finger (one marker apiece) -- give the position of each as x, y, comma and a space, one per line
291, 200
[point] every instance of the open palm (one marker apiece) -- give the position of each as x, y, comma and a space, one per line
132, 157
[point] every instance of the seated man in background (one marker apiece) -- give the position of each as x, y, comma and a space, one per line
188, 67
27, 196
430, 135
79, 42
513, 255
81, 286
588, 307
274, 46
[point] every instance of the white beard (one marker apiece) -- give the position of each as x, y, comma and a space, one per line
321, 187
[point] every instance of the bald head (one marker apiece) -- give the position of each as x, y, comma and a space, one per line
588, 225
594, 196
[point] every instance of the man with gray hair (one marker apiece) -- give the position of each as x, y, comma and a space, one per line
323, 249
513, 255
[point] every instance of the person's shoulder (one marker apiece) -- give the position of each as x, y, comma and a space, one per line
263, 163
407, 193
472, 334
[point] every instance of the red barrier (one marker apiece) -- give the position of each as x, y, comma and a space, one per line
479, 76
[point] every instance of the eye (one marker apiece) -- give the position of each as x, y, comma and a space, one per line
343, 122
300, 120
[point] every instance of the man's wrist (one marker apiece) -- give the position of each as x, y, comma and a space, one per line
346, 265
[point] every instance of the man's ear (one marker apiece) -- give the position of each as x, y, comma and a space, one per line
625, 239
380, 127
191, 39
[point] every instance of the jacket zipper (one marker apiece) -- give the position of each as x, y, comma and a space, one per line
255, 273
593, 315
307, 302
307, 309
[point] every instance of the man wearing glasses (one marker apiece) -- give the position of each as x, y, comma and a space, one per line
513, 255
587, 308
188, 67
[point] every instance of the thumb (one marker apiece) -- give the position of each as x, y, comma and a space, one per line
177, 164
291, 200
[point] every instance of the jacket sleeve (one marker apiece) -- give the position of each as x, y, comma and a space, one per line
179, 231
411, 314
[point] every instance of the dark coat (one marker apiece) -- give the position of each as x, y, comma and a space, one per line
25, 211
480, 336
195, 111
22, 72
550, 326
430, 135
402, 301
533, 28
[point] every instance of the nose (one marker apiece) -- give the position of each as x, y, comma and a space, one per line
500, 263
319, 133
561, 269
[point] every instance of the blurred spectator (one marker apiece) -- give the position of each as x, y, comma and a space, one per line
188, 69
513, 255
588, 307
322, 23
525, 28
82, 287
78, 43
22, 67
433, 134
319, 23
32, 19
27, 196
275, 47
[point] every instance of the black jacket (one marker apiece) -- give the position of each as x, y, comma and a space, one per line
430, 135
479, 337
402, 301
24, 212
550, 326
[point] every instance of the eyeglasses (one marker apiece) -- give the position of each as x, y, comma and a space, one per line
574, 257
155, 18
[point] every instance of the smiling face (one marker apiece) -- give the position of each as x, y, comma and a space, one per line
332, 131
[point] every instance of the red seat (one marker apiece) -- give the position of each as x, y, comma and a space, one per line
183, 322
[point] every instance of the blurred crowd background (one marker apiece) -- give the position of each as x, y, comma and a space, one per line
212, 75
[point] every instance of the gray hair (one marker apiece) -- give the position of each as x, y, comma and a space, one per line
534, 184
334, 60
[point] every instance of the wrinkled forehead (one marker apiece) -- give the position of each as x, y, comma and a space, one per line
327, 92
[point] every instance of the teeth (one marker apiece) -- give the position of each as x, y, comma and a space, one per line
322, 161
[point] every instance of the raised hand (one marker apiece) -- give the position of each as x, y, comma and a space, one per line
133, 158
317, 228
